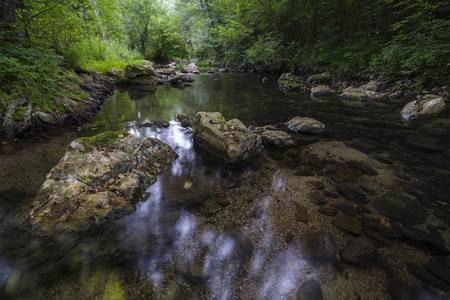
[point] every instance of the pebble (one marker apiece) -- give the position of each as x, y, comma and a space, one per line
328, 211
309, 290
316, 198
359, 252
301, 213
359, 166
349, 223
318, 185
351, 192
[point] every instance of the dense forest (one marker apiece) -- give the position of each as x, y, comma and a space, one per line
394, 40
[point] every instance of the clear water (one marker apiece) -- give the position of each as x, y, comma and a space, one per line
153, 253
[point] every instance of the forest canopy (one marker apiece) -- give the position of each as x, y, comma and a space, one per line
399, 39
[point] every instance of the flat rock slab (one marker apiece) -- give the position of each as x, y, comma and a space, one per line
349, 223
402, 209
230, 140
97, 180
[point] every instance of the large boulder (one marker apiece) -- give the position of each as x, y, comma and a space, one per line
352, 93
305, 125
137, 71
321, 90
415, 110
190, 68
231, 140
320, 78
98, 179
290, 82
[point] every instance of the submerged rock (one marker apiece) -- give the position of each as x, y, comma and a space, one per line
230, 140
319, 246
309, 290
402, 209
306, 125
415, 110
97, 180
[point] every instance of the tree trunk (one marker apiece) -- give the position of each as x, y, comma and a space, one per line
97, 15
7, 14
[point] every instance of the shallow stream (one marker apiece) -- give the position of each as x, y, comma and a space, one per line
209, 231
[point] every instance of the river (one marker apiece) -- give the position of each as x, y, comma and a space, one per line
211, 231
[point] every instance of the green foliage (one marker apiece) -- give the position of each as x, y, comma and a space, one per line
422, 54
27, 70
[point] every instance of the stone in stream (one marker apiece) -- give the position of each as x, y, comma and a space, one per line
230, 140
306, 125
318, 246
290, 82
328, 211
97, 180
321, 91
277, 138
318, 185
359, 166
439, 268
320, 78
181, 80
349, 223
351, 192
432, 240
401, 209
359, 252
399, 290
301, 213
352, 93
370, 86
309, 290
316, 198
304, 172
184, 119
190, 68
138, 71
415, 110
427, 277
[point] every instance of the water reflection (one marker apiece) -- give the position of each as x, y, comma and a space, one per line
195, 230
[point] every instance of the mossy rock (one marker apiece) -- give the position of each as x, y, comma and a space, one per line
101, 140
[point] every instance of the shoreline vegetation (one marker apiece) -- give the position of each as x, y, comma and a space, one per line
401, 45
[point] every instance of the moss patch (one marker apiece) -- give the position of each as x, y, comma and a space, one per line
101, 140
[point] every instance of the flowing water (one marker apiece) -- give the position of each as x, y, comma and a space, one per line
200, 234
